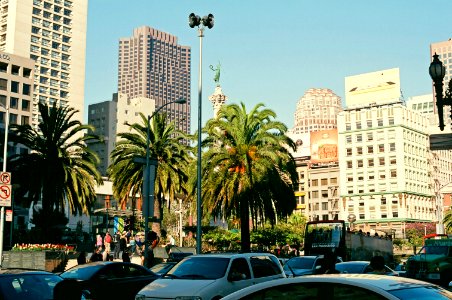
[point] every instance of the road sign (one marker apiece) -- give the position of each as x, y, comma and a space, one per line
5, 177
5, 195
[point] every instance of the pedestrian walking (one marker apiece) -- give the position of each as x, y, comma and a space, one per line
81, 259
117, 246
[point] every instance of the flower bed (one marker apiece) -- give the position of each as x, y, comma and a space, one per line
49, 257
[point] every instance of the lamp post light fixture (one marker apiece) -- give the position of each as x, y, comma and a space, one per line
201, 23
437, 72
149, 177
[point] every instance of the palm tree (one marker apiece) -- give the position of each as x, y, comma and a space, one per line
59, 167
447, 221
247, 169
166, 146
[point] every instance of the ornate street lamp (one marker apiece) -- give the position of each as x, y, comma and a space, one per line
437, 72
196, 21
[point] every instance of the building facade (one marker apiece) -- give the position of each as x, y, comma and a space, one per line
111, 117
316, 110
153, 65
53, 34
384, 167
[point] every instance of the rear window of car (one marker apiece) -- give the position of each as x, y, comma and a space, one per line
350, 268
83, 272
201, 268
264, 266
300, 263
424, 293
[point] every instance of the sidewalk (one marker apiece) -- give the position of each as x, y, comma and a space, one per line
73, 262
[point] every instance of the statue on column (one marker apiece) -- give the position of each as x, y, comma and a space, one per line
216, 78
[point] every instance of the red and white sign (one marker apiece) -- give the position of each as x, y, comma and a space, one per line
5, 195
5, 178
9, 215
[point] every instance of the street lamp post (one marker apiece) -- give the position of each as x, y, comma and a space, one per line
5, 156
437, 72
196, 21
149, 177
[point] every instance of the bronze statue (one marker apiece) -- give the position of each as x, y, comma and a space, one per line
216, 78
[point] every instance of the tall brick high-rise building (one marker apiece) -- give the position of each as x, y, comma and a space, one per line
153, 65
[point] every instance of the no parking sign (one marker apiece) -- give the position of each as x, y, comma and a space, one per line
5, 189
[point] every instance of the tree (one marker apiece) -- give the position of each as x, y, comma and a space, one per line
59, 167
415, 233
247, 169
166, 146
447, 221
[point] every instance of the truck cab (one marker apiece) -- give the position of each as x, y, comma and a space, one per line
433, 262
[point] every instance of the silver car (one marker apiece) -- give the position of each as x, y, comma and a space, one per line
344, 287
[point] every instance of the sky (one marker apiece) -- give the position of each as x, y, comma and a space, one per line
272, 52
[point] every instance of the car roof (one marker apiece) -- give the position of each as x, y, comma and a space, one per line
7, 271
230, 254
355, 262
380, 282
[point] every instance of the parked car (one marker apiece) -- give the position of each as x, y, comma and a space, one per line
400, 269
163, 268
110, 279
361, 267
213, 276
304, 265
343, 286
18, 284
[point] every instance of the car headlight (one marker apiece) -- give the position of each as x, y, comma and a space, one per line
187, 298
140, 297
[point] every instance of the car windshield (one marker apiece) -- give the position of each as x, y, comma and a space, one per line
200, 268
82, 272
300, 263
350, 268
162, 268
440, 250
422, 293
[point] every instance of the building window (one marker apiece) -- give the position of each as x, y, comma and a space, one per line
348, 138
392, 147
314, 182
3, 84
349, 165
360, 163
381, 161
395, 214
26, 89
25, 105
384, 216
25, 120
359, 138
324, 205
380, 122
333, 180
369, 123
358, 125
381, 148
14, 102
370, 149
391, 121
349, 151
14, 87
13, 118
370, 162
348, 126
315, 194
359, 150
393, 173
324, 181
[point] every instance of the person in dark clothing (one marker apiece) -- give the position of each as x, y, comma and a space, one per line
152, 241
123, 242
329, 264
125, 256
97, 255
81, 259
117, 246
